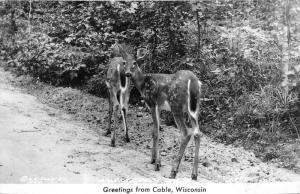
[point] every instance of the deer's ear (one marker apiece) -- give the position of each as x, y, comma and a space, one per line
115, 50
141, 53
107, 84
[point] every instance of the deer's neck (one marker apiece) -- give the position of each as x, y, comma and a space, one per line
139, 82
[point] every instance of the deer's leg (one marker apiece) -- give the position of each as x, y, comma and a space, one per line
110, 111
155, 157
123, 112
185, 138
113, 134
124, 116
153, 153
196, 133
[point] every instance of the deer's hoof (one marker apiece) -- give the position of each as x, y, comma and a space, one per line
107, 133
173, 175
127, 139
152, 161
194, 177
157, 167
112, 144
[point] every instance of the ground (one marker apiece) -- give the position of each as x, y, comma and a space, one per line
54, 135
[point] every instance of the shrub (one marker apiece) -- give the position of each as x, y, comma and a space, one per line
271, 110
56, 63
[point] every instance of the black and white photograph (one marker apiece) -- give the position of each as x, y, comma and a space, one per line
150, 96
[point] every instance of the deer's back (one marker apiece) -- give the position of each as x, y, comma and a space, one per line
171, 90
155, 87
180, 81
184, 85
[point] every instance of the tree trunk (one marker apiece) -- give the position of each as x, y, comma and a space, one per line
170, 34
286, 47
13, 24
29, 15
199, 33
153, 63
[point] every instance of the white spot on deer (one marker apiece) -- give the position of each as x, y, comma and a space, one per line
107, 84
123, 89
157, 115
124, 123
200, 85
191, 113
166, 106
118, 69
197, 132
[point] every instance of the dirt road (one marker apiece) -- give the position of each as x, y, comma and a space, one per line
41, 144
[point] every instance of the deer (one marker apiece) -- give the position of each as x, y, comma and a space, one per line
178, 93
119, 88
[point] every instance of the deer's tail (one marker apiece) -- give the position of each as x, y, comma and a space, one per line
194, 91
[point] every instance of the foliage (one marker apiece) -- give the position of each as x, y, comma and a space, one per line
56, 63
269, 109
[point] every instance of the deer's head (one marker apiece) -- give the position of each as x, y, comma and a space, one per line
124, 51
134, 70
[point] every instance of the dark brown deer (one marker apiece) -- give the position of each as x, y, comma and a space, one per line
178, 93
119, 89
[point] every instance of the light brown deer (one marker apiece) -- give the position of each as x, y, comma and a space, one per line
178, 93
119, 89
